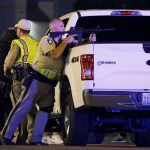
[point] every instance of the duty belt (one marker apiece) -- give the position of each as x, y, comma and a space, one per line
21, 65
19, 70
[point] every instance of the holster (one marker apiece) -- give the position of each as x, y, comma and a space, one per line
18, 74
28, 76
27, 80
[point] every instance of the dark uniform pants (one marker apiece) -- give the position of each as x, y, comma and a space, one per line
40, 93
25, 130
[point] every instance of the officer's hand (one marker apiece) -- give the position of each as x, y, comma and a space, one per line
69, 39
7, 73
92, 37
75, 41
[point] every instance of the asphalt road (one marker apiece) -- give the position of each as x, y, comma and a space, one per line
106, 145
62, 147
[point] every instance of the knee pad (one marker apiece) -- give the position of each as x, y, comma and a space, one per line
46, 109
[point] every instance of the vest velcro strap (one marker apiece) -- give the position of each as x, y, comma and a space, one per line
51, 74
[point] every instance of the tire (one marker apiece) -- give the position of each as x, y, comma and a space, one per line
96, 137
76, 125
142, 139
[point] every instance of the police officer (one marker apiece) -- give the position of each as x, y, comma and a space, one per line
21, 55
48, 65
5, 103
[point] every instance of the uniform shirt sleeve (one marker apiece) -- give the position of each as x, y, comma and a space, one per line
12, 56
47, 44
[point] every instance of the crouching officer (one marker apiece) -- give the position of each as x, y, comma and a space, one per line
48, 65
20, 56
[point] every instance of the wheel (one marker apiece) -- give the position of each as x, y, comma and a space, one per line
96, 137
142, 139
76, 125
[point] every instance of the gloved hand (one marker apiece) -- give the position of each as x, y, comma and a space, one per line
92, 37
7, 73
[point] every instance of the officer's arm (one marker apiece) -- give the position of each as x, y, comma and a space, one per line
49, 47
58, 51
11, 57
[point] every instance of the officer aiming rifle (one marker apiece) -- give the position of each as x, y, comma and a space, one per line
78, 31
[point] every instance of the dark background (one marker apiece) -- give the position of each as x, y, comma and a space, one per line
42, 11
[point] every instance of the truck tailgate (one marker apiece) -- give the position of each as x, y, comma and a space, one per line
121, 66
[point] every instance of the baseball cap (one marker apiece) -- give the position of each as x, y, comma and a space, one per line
24, 24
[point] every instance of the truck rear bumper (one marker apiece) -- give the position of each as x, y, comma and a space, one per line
110, 99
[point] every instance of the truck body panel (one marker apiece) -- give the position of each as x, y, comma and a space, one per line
106, 84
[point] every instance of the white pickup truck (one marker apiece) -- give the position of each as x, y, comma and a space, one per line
106, 85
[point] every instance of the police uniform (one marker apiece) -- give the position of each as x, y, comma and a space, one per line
47, 66
47, 72
22, 52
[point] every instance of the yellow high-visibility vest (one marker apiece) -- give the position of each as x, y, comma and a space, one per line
28, 47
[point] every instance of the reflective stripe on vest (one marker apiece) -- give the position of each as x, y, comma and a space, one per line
51, 74
25, 57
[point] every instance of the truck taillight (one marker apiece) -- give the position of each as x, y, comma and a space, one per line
87, 67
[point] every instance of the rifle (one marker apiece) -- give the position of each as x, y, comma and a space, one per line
78, 31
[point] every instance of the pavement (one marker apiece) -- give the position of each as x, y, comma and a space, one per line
106, 145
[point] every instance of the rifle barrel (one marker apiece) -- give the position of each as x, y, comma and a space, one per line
74, 30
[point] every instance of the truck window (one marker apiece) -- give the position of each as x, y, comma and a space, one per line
65, 21
127, 28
